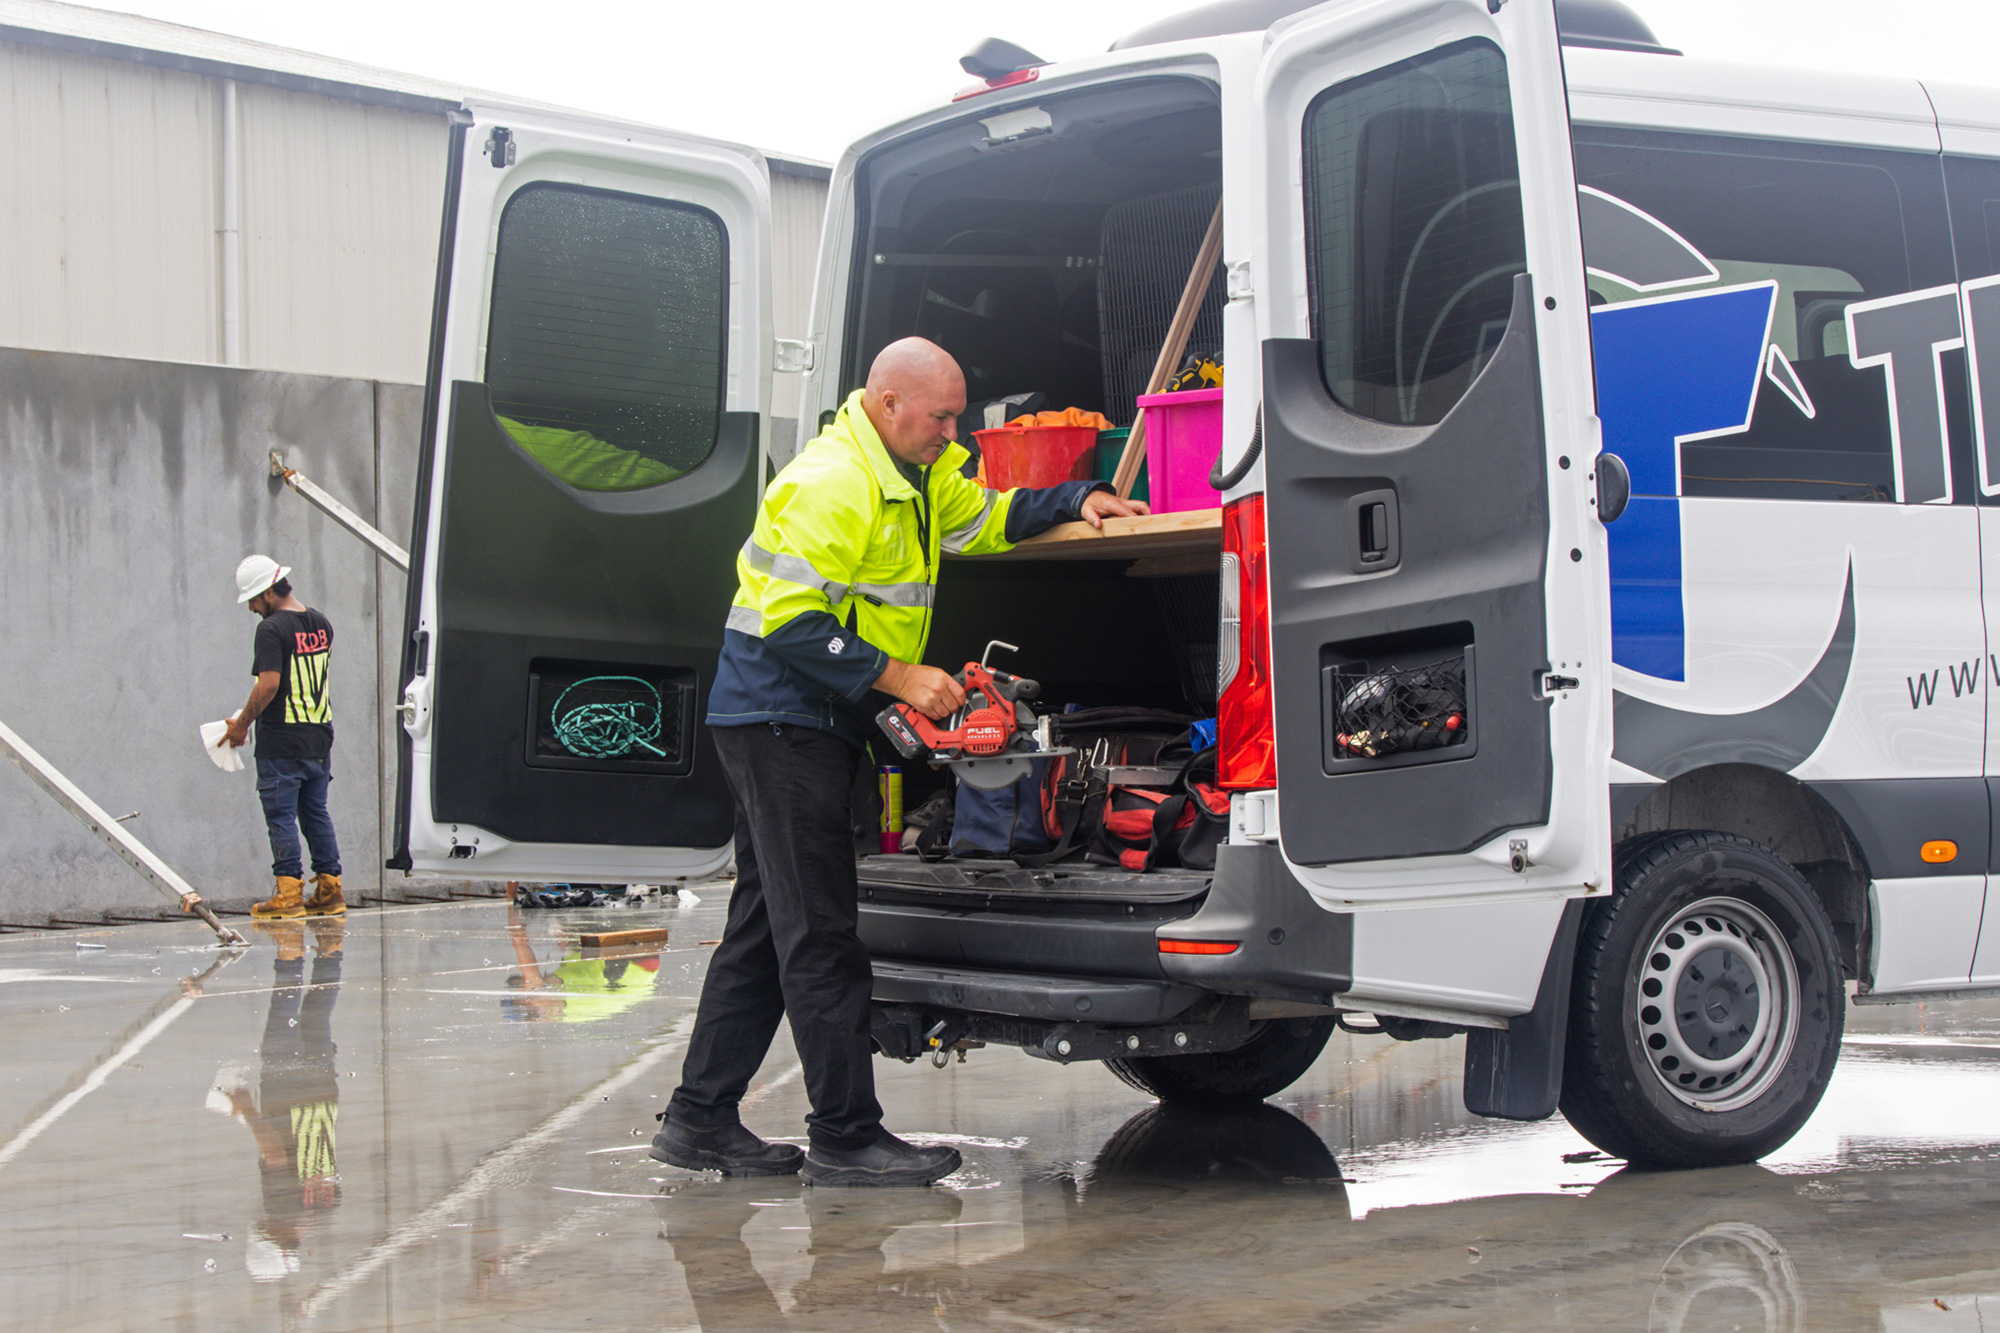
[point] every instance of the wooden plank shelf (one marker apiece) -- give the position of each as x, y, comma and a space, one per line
1184, 532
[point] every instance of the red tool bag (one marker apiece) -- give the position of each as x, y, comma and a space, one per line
1086, 807
1181, 826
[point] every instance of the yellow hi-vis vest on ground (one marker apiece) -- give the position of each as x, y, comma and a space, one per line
840, 573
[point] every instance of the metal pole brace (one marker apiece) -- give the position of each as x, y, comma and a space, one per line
129, 849
338, 512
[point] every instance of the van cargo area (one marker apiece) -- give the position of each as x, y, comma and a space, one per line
1046, 245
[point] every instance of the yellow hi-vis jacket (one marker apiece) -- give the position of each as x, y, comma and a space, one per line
840, 573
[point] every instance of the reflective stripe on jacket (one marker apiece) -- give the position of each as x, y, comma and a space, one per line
840, 573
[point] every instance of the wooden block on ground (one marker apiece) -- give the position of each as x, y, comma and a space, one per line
608, 939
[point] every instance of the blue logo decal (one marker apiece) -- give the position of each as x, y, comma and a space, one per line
1669, 369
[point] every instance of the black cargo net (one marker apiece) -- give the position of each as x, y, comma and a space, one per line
1385, 712
1187, 604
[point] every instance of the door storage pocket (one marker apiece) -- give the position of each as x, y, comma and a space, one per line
1399, 709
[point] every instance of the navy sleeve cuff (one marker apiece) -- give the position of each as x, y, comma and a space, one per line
1032, 512
826, 652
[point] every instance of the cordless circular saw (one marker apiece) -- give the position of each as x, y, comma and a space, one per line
991, 741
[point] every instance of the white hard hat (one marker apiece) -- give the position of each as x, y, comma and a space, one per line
256, 574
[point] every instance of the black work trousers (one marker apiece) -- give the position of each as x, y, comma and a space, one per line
791, 947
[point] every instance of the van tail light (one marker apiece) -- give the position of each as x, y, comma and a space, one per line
994, 84
1246, 757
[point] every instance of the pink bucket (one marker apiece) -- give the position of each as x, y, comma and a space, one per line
1183, 439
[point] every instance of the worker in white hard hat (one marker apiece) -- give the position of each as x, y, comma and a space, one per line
294, 739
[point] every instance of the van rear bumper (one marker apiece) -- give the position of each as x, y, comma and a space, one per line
1036, 952
1043, 998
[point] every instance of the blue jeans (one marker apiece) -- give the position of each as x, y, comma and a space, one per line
294, 795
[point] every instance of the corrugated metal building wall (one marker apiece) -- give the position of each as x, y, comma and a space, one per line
114, 149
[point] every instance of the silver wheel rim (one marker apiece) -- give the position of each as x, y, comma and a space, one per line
1717, 1004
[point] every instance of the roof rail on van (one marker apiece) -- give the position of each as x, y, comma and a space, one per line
1610, 24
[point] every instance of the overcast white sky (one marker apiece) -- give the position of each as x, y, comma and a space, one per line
806, 76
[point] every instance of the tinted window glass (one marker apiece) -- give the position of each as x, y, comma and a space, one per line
1723, 274
605, 354
1414, 230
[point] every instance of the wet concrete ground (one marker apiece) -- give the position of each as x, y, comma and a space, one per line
446, 1128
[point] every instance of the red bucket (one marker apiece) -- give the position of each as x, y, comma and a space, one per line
1036, 456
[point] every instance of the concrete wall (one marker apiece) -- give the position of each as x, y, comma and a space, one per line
132, 489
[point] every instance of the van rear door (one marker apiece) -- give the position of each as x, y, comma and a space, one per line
1439, 596
591, 458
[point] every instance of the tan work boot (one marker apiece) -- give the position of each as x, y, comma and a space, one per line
326, 899
284, 905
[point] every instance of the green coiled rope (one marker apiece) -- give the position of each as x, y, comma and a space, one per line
609, 730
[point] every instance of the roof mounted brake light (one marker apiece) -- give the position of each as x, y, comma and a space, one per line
999, 65
1018, 77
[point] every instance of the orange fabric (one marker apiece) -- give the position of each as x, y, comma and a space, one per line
1069, 416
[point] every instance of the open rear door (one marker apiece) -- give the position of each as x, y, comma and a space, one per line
1439, 595
599, 371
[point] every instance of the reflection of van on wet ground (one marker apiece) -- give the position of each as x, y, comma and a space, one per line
1714, 755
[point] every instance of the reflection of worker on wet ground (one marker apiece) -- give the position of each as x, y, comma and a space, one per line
1150, 1198
298, 1096
587, 984
850, 1285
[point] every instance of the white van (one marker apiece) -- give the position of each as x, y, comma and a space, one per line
1724, 747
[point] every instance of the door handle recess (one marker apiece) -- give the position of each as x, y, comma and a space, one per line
1377, 531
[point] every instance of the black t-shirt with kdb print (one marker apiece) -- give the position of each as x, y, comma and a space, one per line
298, 724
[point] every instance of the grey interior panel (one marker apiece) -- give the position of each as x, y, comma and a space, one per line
535, 586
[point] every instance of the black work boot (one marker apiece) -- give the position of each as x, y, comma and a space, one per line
731, 1149
887, 1161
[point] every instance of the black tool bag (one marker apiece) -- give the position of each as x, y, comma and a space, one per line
1182, 825
1206, 825
1079, 790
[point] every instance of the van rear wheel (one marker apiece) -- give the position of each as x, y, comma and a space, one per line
1279, 1051
1706, 1007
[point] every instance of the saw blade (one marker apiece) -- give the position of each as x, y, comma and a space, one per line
1000, 770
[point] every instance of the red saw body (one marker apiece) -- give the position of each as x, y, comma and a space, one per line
985, 727
991, 742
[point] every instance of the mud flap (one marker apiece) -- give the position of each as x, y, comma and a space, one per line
1517, 1074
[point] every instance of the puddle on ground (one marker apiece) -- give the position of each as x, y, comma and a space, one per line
359, 1142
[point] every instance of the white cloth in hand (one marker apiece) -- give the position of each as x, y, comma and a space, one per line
227, 757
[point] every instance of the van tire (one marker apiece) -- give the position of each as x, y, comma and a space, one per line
1278, 1052
1660, 1084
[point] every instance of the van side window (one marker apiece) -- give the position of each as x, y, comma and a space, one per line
1723, 273
605, 350
1413, 229
1974, 186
